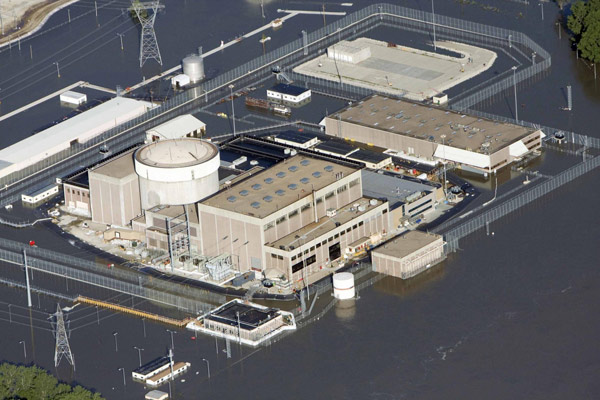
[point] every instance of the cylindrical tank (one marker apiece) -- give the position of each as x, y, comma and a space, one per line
343, 286
177, 171
193, 66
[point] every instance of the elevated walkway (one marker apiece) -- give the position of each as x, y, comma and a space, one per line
138, 313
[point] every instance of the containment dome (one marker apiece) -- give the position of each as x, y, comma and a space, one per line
177, 171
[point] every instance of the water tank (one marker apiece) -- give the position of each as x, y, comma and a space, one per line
343, 286
193, 66
361, 208
373, 202
176, 171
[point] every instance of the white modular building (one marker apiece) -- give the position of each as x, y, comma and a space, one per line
182, 126
73, 97
180, 80
291, 93
352, 53
177, 171
78, 129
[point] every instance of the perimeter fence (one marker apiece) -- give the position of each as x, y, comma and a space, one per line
520, 200
81, 155
173, 300
99, 271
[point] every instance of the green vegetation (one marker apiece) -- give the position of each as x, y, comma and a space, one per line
584, 22
33, 383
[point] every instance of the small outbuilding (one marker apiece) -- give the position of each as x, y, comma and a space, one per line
291, 93
297, 139
179, 127
181, 80
156, 395
75, 98
408, 255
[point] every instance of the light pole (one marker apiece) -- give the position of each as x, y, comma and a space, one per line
121, 36
232, 108
542, 5
24, 349
172, 344
443, 136
207, 366
116, 343
139, 354
144, 325
123, 370
433, 24
514, 69
9, 313
57, 68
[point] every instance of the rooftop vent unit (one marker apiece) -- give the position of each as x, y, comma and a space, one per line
293, 168
305, 162
331, 212
316, 174
328, 168
269, 181
292, 186
255, 204
231, 199
281, 174
256, 186
304, 180
244, 192
280, 192
268, 199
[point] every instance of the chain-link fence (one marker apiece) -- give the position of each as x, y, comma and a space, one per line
81, 155
526, 197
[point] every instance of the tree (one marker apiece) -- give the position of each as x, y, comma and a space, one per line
584, 23
33, 383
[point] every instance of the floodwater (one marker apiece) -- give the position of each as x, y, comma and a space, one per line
512, 315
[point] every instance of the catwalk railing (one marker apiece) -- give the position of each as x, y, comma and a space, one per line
473, 224
82, 155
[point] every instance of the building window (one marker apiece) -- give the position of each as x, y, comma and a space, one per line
269, 226
337, 235
342, 233
355, 226
318, 245
348, 230
354, 182
293, 258
329, 195
305, 207
273, 255
280, 220
334, 251
319, 200
293, 214
312, 248
342, 189
361, 223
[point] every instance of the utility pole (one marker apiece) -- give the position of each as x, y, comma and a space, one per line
232, 108
569, 98
123, 370
27, 279
172, 343
116, 342
207, 366
433, 24
514, 69
62, 341
24, 349
96, 7
443, 136
31, 52
542, 6
262, 8
57, 68
121, 36
139, 354
69, 14
144, 325
324, 22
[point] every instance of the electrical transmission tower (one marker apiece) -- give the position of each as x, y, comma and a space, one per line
146, 14
62, 341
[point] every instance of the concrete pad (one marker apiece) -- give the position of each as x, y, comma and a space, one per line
403, 71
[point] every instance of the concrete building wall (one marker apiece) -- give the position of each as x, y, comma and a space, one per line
411, 264
77, 198
114, 201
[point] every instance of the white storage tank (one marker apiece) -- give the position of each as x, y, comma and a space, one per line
177, 171
343, 286
193, 67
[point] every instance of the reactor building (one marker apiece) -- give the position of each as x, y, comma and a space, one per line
177, 171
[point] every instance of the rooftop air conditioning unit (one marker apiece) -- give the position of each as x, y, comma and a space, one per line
331, 212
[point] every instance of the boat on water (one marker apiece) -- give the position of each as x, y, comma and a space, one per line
276, 23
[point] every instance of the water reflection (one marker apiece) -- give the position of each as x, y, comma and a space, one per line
405, 287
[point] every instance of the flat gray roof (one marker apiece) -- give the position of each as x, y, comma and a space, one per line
429, 123
279, 186
406, 244
118, 167
315, 229
395, 189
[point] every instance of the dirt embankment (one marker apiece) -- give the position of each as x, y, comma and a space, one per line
25, 17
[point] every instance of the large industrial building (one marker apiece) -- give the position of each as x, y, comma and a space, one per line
431, 133
62, 136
